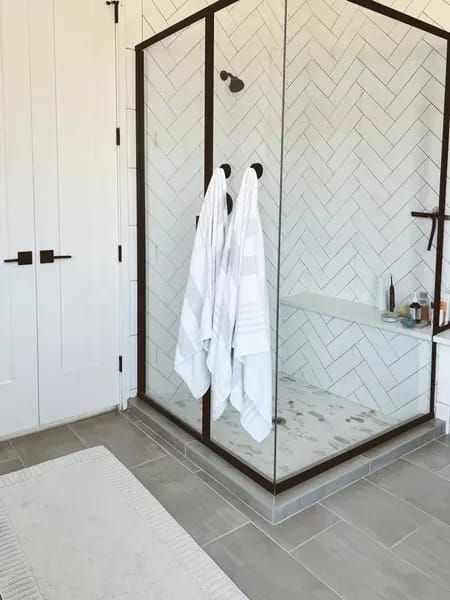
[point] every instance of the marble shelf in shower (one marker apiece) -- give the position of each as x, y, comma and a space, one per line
443, 338
349, 310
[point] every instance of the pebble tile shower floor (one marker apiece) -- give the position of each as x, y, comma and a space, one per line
315, 425
385, 537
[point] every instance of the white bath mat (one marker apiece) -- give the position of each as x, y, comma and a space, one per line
83, 528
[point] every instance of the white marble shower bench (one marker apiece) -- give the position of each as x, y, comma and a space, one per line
348, 310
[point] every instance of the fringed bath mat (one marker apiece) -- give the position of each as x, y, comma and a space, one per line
83, 528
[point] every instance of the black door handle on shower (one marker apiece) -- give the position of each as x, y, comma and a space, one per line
23, 258
48, 256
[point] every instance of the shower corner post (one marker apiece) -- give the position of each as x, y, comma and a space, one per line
208, 168
141, 227
441, 229
209, 99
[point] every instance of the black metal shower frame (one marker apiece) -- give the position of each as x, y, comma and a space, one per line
208, 16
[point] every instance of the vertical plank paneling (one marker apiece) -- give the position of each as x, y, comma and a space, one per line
18, 358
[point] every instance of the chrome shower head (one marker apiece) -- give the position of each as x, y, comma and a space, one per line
236, 84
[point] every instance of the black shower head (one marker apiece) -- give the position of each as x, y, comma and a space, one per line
236, 84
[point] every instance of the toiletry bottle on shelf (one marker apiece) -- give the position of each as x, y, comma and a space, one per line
424, 302
442, 313
415, 311
392, 296
446, 299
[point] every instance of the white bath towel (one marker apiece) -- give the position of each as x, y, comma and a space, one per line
198, 306
239, 357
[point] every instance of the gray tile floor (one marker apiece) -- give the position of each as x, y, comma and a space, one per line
386, 537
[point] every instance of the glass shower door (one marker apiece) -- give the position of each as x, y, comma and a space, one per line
174, 142
247, 129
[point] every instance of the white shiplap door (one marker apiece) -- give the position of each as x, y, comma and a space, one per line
66, 108
74, 111
18, 335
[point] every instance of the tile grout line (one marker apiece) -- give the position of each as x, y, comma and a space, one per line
237, 498
146, 462
274, 541
281, 548
220, 537
405, 538
77, 436
139, 420
405, 458
167, 453
16, 454
136, 425
387, 548
318, 578
408, 502
317, 534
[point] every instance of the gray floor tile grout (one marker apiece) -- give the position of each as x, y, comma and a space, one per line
383, 546
228, 502
136, 424
77, 436
8, 442
167, 453
281, 548
411, 462
147, 462
368, 535
223, 535
18, 455
317, 577
404, 538
407, 501
316, 535
441, 443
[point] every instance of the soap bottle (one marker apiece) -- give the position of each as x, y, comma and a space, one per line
392, 296
424, 302
415, 310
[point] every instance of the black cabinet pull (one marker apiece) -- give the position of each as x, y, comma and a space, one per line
23, 258
48, 256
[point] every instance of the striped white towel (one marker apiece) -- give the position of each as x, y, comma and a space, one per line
240, 357
198, 306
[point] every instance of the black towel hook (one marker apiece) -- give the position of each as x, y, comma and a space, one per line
259, 169
226, 169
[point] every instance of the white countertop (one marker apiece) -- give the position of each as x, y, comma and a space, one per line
355, 312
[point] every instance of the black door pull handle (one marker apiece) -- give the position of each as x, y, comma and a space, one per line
23, 258
48, 256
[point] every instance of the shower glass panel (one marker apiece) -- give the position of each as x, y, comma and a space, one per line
343, 107
247, 129
174, 148
362, 144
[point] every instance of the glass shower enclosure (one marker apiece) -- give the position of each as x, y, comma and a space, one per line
346, 105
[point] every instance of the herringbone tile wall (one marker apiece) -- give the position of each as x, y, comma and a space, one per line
381, 370
364, 98
362, 149
174, 103
249, 40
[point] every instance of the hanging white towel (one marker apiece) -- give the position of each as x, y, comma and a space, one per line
198, 306
240, 356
